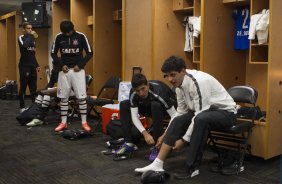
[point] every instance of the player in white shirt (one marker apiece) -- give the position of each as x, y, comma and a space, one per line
203, 105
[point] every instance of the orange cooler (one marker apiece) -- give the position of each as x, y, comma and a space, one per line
107, 113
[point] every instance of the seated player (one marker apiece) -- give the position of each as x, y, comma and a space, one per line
150, 99
43, 99
203, 105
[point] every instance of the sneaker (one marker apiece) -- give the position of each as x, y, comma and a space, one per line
115, 144
232, 169
125, 151
226, 161
186, 173
151, 167
86, 127
35, 122
61, 127
154, 154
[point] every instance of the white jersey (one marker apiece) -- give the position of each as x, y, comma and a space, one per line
198, 92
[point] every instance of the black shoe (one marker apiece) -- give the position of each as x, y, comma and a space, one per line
215, 168
221, 163
232, 169
186, 173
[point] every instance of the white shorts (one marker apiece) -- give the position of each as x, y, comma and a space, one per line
71, 82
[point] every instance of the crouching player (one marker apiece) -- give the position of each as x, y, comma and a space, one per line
147, 98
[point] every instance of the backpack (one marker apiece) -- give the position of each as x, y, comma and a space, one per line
114, 130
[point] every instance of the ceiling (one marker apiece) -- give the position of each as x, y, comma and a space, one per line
7, 6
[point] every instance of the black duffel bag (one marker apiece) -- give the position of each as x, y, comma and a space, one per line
114, 130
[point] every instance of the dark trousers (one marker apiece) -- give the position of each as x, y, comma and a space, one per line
156, 111
203, 123
28, 77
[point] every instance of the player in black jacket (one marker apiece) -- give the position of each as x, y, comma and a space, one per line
28, 66
151, 99
71, 44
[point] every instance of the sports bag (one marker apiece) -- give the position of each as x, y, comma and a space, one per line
114, 129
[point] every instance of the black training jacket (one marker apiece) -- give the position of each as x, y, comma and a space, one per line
71, 50
158, 91
27, 48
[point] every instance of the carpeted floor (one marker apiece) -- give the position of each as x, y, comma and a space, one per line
38, 155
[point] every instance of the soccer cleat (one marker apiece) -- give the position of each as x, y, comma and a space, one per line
232, 169
86, 127
115, 144
61, 127
186, 173
125, 151
35, 122
154, 154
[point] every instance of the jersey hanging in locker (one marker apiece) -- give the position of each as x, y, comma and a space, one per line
242, 23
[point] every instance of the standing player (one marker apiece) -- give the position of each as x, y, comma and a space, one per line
72, 77
28, 66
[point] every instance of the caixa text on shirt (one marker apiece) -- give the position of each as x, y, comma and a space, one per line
31, 48
70, 51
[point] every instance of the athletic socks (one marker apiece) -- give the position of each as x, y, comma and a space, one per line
64, 109
83, 110
39, 99
46, 101
157, 165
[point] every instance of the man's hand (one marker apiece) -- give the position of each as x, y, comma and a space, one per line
179, 144
76, 68
148, 138
65, 69
38, 69
35, 35
160, 141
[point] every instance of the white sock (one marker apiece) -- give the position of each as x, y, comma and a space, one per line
46, 101
83, 110
64, 109
39, 99
157, 165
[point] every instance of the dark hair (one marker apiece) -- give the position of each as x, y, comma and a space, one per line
138, 80
173, 63
26, 24
66, 26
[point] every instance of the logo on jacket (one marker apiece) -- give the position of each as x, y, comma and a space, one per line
31, 48
75, 42
70, 51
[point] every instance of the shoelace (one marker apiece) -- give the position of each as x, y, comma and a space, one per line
155, 150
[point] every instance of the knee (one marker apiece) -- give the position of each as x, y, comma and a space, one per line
172, 129
201, 120
47, 98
